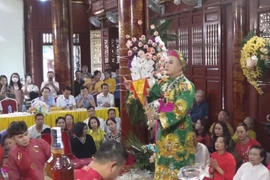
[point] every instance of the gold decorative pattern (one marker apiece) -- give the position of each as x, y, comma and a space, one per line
180, 108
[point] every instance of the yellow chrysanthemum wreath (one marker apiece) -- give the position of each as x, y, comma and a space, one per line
251, 49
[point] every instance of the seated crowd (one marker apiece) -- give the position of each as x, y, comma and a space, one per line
101, 89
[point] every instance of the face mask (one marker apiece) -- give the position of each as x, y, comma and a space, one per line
15, 79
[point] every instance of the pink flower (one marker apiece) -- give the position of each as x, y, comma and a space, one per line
140, 22
145, 46
152, 26
155, 33
135, 48
158, 55
141, 54
129, 44
163, 59
154, 44
148, 49
150, 41
154, 58
148, 56
127, 36
134, 39
153, 51
130, 53
140, 44
142, 37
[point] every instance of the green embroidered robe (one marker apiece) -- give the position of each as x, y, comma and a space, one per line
175, 138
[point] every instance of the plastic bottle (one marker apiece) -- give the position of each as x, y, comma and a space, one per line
9, 109
24, 109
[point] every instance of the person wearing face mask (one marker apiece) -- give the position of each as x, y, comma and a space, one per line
29, 87
78, 83
51, 84
16, 87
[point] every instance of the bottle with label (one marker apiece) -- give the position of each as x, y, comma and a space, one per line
9, 109
59, 166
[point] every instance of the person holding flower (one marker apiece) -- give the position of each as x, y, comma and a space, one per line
175, 95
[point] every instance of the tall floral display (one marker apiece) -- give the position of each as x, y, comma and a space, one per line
255, 59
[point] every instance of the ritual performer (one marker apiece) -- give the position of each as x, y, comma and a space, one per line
175, 136
27, 159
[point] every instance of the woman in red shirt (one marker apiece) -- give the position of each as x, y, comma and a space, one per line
202, 135
222, 163
245, 143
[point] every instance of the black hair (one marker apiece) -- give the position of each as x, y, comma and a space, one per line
17, 128
78, 129
91, 107
227, 112
110, 110
108, 71
110, 119
28, 74
47, 89
39, 114
89, 121
70, 116
104, 84
226, 132
33, 95
262, 153
244, 126
46, 131
68, 88
60, 117
96, 72
19, 81
203, 123
84, 87
78, 71
111, 151
50, 72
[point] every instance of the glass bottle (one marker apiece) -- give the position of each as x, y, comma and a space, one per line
59, 166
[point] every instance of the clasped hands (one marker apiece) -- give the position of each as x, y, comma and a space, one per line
214, 165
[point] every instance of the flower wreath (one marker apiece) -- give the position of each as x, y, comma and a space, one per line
255, 59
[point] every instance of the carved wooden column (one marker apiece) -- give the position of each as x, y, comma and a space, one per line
32, 59
129, 12
239, 81
62, 42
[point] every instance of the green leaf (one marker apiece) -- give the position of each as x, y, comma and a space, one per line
248, 37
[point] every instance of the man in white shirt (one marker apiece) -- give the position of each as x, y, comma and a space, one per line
112, 114
92, 112
35, 130
66, 101
201, 152
105, 99
53, 85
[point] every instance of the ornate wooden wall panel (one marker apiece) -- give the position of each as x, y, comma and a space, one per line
95, 40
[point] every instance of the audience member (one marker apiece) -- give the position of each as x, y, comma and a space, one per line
251, 133
91, 113
85, 72
254, 169
223, 116
108, 67
219, 129
61, 122
245, 143
201, 133
200, 107
107, 164
16, 87
51, 84
5, 90
69, 123
114, 133
110, 81
8, 145
105, 99
78, 83
112, 114
82, 144
28, 87
66, 101
201, 152
27, 159
95, 131
222, 163
84, 99
94, 85
36, 129
47, 98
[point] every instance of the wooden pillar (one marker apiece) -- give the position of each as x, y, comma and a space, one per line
62, 42
32, 59
129, 11
239, 81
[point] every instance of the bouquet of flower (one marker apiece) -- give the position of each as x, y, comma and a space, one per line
142, 152
255, 58
38, 106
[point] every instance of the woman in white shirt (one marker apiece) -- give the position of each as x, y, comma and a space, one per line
255, 168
